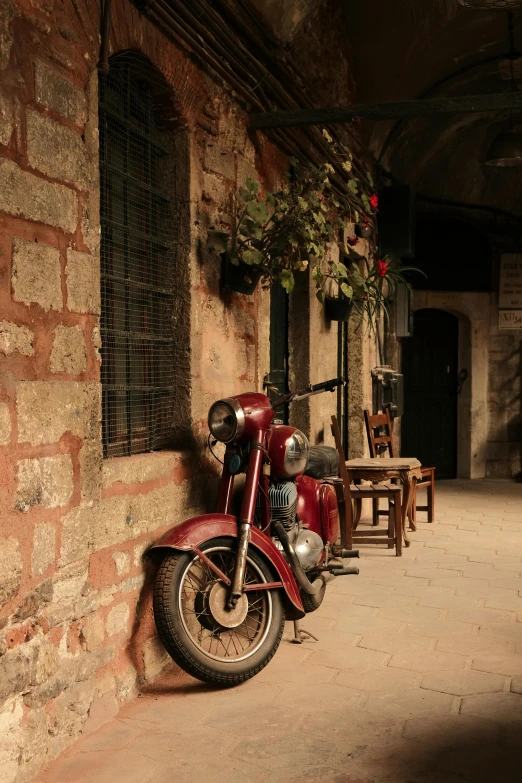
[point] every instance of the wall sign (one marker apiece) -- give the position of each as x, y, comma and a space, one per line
510, 319
510, 291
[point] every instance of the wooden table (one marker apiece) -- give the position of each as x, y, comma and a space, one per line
378, 469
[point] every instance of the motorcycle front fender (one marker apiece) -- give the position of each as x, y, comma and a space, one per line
195, 531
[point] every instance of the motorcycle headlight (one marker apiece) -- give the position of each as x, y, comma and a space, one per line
296, 455
226, 420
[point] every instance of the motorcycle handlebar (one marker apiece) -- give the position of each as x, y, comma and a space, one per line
327, 385
317, 388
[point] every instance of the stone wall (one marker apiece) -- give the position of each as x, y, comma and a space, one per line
76, 628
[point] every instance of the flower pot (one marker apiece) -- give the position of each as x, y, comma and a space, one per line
338, 309
363, 230
242, 279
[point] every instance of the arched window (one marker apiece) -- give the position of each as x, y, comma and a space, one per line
140, 297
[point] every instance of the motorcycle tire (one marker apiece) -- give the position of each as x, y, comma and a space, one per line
313, 602
189, 634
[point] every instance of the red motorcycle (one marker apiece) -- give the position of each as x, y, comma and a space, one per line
225, 585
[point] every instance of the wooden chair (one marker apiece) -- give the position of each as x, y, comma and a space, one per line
383, 441
358, 492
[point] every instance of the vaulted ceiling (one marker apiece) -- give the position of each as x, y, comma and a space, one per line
410, 49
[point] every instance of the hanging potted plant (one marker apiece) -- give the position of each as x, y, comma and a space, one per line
361, 286
279, 234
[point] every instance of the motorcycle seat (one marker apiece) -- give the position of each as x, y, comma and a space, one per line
322, 461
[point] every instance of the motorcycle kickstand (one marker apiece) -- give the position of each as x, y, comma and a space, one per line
300, 635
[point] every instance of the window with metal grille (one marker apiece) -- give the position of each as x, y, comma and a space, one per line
138, 275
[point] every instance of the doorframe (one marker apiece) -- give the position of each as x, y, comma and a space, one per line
473, 311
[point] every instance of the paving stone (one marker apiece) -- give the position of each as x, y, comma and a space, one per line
474, 645
462, 683
383, 680
511, 630
511, 603
394, 643
479, 616
323, 697
510, 665
410, 614
453, 729
389, 599
440, 628
411, 702
430, 661
361, 625
450, 601
459, 581
502, 707
349, 658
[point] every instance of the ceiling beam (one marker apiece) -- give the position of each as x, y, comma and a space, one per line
393, 110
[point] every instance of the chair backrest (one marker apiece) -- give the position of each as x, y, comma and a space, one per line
383, 423
343, 473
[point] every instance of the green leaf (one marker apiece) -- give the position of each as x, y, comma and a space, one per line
250, 229
258, 211
321, 296
217, 241
370, 178
342, 270
252, 186
353, 185
253, 257
317, 274
271, 199
347, 290
287, 280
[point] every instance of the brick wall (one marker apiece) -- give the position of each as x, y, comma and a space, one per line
76, 629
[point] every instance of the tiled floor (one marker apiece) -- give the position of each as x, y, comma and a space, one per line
416, 677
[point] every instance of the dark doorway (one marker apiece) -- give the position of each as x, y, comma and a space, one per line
430, 367
279, 345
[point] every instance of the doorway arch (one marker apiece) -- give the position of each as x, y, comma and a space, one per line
472, 309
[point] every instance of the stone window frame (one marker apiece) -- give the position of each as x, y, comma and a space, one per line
152, 301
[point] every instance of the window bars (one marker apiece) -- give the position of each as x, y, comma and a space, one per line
137, 271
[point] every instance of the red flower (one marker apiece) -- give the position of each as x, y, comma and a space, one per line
374, 201
382, 266
352, 241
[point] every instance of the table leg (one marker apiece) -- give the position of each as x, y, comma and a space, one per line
407, 500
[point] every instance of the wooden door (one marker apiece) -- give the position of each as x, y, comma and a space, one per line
430, 368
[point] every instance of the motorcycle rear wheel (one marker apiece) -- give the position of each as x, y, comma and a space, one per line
210, 643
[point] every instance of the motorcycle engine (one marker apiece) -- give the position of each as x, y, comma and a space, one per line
282, 497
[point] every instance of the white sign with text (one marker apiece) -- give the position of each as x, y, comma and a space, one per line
510, 291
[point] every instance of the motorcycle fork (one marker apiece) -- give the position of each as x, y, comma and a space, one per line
248, 505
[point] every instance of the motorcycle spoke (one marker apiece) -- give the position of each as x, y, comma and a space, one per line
218, 641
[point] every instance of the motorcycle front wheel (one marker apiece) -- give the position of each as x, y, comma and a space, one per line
207, 640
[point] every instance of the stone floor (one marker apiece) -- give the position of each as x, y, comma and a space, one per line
416, 677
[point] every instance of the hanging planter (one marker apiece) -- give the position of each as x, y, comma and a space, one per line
241, 278
363, 230
338, 308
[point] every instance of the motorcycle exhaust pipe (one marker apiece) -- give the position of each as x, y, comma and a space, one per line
312, 588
